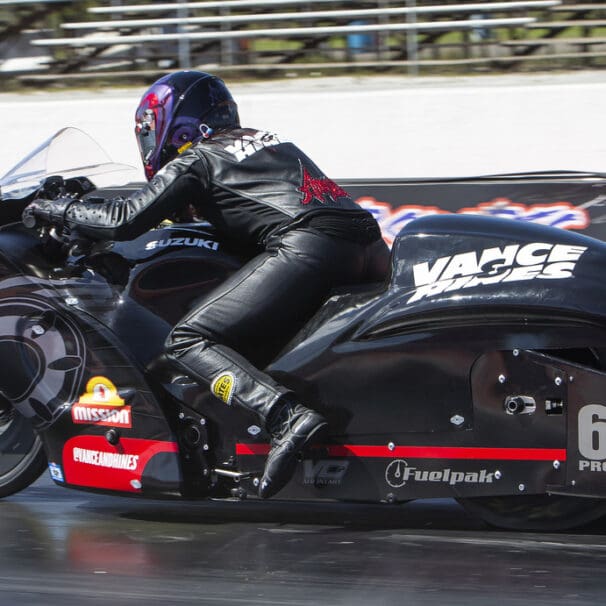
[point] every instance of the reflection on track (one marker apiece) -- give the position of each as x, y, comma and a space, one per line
63, 547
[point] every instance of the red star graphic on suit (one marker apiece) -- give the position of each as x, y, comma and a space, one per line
318, 189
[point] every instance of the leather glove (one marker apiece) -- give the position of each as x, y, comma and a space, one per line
46, 212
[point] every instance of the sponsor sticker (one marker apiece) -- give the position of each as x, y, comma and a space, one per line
592, 438
247, 145
56, 472
100, 390
87, 414
101, 405
111, 460
398, 473
90, 461
191, 242
328, 472
511, 263
223, 387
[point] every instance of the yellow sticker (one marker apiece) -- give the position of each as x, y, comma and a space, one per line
100, 390
223, 386
184, 147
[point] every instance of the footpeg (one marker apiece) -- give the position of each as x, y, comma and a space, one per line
236, 475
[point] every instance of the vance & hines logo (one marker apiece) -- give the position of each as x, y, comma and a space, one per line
512, 263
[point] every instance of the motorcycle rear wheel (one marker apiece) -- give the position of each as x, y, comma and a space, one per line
22, 458
543, 512
535, 512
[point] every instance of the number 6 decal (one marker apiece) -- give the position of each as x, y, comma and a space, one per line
592, 432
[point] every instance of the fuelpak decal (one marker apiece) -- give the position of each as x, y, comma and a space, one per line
512, 263
398, 473
557, 214
91, 461
101, 405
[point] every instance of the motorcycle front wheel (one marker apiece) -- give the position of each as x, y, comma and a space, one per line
22, 458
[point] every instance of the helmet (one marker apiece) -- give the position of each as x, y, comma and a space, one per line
176, 111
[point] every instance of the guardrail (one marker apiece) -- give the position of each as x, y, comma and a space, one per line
299, 15
233, 4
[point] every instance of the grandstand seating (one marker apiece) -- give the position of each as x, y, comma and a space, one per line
125, 38
16, 19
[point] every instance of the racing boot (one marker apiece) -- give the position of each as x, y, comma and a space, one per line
237, 382
291, 427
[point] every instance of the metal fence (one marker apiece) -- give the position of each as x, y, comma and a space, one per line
120, 38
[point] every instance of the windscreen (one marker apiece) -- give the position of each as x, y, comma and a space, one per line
69, 153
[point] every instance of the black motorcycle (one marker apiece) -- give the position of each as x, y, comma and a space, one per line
475, 372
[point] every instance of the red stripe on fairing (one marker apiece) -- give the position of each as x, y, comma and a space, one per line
426, 452
252, 449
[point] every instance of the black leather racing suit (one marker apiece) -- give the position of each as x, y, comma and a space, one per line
304, 235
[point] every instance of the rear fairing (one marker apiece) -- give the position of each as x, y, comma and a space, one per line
403, 377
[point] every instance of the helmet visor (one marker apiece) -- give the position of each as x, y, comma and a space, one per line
151, 121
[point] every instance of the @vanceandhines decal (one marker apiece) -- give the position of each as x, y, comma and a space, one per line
91, 461
101, 404
512, 263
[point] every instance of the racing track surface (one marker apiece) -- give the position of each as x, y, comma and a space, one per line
63, 548
60, 547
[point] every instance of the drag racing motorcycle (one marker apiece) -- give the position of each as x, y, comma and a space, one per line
476, 371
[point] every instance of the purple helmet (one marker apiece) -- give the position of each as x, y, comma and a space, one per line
176, 111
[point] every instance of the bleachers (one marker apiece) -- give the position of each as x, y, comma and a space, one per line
259, 36
574, 31
20, 21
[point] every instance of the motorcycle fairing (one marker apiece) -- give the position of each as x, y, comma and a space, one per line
523, 449
444, 263
386, 372
396, 381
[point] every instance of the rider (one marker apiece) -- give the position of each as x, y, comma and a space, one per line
302, 234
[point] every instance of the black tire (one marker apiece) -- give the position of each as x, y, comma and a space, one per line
22, 458
536, 512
